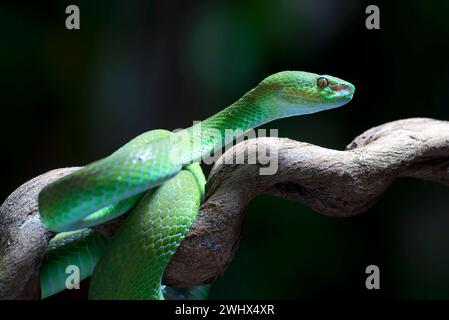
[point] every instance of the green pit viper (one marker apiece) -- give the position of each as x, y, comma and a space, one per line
157, 178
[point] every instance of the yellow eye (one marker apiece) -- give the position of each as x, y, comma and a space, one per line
322, 82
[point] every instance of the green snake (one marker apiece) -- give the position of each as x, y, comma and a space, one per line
157, 178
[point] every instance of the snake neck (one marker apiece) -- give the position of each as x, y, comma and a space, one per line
206, 137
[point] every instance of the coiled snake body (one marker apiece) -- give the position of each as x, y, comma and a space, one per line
157, 176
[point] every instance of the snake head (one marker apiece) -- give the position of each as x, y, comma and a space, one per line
298, 92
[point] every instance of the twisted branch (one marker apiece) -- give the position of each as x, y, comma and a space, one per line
334, 183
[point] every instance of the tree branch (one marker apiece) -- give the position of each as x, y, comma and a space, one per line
334, 183
24, 238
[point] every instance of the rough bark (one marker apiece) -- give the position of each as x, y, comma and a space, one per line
331, 182
23, 238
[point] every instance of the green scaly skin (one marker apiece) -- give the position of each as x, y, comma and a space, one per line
142, 247
82, 248
113, 185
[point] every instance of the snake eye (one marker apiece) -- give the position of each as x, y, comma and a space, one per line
322, 82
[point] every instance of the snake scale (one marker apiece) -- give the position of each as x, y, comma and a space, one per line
157, 178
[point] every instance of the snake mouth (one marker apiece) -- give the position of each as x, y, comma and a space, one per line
343, 91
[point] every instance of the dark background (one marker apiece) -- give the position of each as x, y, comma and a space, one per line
71, 97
